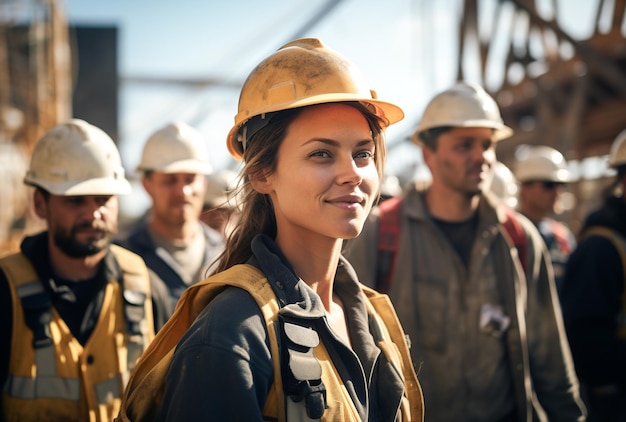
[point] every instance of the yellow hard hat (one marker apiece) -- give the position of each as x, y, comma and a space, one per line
463, 105
174, 148
617, 154
303, 72
77, 158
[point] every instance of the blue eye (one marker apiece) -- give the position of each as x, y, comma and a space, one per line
364, 154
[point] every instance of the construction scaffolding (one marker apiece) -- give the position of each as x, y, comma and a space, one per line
35, 95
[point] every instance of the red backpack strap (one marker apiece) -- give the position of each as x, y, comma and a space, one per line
516, 234
560, 235
388, 240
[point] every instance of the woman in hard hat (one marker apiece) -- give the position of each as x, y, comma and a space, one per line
284, 330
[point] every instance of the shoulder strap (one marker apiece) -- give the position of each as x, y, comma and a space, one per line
385, 311
145, 388
619, 242
137, 305
35, 300
560, 235
388, 241
516, 234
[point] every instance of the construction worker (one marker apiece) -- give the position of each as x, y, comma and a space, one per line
542, 173
283, 330
593, 301
75, 311
177, 247
220, 210
484, 324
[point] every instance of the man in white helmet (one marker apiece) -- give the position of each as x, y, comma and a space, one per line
593, 301
484, 324
542, 173
75, 310
220, 210
176, 246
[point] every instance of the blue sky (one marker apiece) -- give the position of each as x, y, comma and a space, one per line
405, 48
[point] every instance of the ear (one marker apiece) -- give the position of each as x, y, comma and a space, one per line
261, 183
40, 204
147, 184
427, 154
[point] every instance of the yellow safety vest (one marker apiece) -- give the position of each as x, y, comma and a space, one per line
145, 389
66, 380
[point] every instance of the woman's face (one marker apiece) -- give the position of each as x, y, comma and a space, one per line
326, 178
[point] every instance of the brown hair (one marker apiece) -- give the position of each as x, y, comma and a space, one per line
260, 158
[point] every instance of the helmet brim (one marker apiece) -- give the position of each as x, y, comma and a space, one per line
388, 112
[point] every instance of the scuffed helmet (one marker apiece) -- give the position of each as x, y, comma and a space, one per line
77, 158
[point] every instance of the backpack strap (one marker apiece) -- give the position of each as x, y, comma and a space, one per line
388, 241
515, 234
560, 235
619, 242
383, 309
146, 386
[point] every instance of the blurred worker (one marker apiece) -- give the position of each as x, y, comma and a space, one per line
75, 311
593, 301
483, 323
221, 209
504, 184
177, 247
542, 173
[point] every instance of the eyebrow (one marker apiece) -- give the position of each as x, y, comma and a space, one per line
333, 143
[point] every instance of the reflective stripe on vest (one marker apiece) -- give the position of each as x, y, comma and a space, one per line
48, 384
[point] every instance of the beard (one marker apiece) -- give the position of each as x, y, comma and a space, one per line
69, 244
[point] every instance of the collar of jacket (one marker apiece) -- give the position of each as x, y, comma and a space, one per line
488, 210
35, 248
294, 296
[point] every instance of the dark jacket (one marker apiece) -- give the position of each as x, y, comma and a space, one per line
222, 368
166, 283
591, 299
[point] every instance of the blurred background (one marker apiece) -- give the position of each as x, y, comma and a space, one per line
556, 68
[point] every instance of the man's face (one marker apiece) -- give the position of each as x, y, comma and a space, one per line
177, 198
79, 226
462, 160
539, 196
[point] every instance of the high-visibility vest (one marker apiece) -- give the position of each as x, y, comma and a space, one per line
51, 375
147, 383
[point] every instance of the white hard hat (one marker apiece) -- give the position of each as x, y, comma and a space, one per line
220, 187
617, 155
175, 148
77, 158
504, 184
463, 105
539, 163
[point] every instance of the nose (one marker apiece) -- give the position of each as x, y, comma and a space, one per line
187, 189
349, 172
95, 209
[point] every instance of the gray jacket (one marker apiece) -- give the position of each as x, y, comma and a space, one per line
487, 340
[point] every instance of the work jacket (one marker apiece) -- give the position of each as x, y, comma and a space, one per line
51, 375
594, 297
488, 339
219, 357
